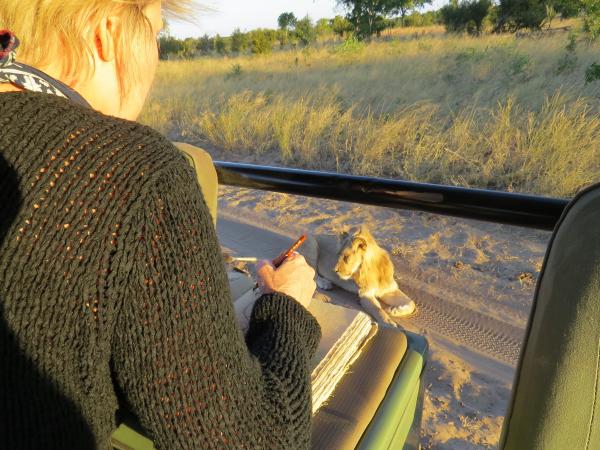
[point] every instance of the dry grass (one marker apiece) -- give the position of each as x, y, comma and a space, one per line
415, 32
493, 112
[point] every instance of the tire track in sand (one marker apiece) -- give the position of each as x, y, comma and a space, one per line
495, 338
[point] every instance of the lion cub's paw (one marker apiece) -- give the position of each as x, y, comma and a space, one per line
401, 310
386, 321
320, 297
324, 284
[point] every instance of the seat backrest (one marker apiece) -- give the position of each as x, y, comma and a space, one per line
555, 402
206, 174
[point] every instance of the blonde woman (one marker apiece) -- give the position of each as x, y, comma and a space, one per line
113, 294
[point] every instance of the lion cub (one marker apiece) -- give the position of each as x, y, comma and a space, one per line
356, 263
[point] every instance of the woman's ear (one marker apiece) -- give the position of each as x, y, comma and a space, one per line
105, 38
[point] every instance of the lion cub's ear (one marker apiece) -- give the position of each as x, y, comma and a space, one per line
360, 243
355, 231
363, 231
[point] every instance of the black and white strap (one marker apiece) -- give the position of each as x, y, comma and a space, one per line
23, 77
27, 77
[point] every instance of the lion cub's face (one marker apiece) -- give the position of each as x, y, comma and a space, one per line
351, 255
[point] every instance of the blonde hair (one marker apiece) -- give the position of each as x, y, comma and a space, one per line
58, 32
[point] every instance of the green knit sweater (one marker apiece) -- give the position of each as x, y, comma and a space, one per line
113, 292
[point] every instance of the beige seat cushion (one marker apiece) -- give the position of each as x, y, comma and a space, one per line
206, 174
341, 423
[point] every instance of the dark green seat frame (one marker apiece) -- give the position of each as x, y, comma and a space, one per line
555, 403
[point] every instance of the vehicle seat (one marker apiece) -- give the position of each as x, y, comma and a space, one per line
555, 402
206, 174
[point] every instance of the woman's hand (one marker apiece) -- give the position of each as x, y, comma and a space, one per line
294, 278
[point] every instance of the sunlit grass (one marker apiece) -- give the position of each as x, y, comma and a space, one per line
494, 111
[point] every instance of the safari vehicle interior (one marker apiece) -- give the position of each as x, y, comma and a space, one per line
554, 401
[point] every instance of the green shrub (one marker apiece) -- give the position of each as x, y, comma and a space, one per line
350, 46
235, 72
514, 15
518, 64
205, 44
465, 16
568, 61
287, 20
239, 41
592, 73
169, 46
305, 31
323, 27
469, 55
190, 47
262, 41
341, 26
567, 8
591, 17
417, 19
221, 45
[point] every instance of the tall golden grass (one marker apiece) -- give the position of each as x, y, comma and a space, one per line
495, 111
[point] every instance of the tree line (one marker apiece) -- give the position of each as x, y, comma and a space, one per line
366, 18
514, 15
291, 33
369, 17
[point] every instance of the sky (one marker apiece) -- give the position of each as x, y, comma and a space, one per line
247, 15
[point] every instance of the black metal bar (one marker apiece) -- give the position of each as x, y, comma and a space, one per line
492, 206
